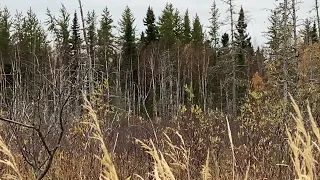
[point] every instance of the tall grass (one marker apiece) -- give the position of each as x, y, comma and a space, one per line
172, 161
162, 170
304, 145
108, 168
10, 162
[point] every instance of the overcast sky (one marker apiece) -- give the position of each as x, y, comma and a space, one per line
256, 10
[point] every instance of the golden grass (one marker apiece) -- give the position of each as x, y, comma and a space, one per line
108, 169
304, 148
161, 169
9, 162
206, 169
174, 160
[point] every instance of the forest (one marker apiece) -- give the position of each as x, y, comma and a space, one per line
86, 96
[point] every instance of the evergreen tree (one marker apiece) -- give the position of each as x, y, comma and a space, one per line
129, 46
75, 39
257, 65
60, 29
178, 25
75, 47
142, 38
214, 25
170, 26
91, 33
152, 33
314, 33
273, 31
106, 40
242, 38
186, 28
30, 41
197, 33
244, 51
5, 41
225, 40
307, 32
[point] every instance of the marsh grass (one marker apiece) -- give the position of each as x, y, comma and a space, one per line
108, 171
171, 158
9, 161
304, 145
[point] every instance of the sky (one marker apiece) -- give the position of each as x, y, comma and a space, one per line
257, 11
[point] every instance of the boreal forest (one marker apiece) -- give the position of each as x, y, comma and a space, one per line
87, 96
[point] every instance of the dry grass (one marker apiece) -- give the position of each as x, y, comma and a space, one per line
163, 170
13, 170
171, 158
206, 169
108, 169
304, 145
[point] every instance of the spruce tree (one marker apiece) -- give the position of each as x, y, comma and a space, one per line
214, 25
170, 26
75, 47
75, 40
60, 28
307, 32
105, 40
152, 33
30, 41
244, 52
142, 38
242, 38
197, 33
225, 40
273, 32
314, 33
5, 41
91, 22
186, 28
129, 46
178, 25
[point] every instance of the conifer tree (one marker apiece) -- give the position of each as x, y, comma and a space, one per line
314, 33
75, 47
242, 38
31, 42
178, 25
129, 46
170, 26
225, 40
273, 32
92, 34
142, 37
152, 33
60, 28
5, 41
186, 28
244, 54
197, 33
75, 39
307, 32
106, 40
214, 25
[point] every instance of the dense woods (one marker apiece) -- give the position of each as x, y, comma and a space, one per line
175, 101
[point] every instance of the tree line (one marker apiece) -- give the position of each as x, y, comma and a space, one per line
149, 74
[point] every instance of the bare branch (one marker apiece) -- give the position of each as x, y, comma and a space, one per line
17, 123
